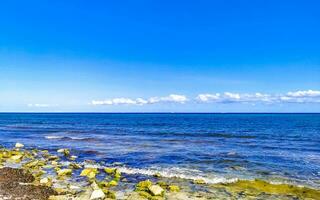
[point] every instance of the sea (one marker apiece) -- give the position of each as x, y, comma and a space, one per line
214, 147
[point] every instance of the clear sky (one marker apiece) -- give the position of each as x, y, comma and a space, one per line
160, 56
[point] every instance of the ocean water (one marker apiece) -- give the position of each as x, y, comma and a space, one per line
213, 147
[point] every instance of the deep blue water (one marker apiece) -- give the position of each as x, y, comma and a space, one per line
216, 147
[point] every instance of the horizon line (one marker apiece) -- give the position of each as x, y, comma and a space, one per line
58, 112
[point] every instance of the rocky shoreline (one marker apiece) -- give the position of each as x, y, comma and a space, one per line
39, 174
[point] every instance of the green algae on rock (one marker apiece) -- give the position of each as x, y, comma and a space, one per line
174, 188
109, 170
199, 181
257, 187
89, 172
143, 185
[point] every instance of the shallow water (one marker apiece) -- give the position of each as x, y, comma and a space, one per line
214, 147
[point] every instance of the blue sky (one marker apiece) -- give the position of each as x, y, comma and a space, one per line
160, 56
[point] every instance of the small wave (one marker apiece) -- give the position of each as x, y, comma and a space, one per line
177, 173
173, 172
55, 137
52, 137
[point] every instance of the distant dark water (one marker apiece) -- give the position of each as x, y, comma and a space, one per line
216, 147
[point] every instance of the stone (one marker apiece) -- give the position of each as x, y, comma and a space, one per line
73, 157
44, 180
143, 185
64, 172
16, 157
95, 186
66, 152
89, 172
60, 197
97, 194
173, 188
19, 145
113, 183
109, 170
156, 190
199, 181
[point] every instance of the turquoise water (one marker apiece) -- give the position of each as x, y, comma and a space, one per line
214, 147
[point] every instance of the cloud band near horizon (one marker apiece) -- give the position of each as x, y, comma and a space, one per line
302, 96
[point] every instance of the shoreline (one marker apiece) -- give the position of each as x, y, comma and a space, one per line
40, 174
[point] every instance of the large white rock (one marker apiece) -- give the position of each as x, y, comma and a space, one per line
97, 194
19, 145
155, 190
44, 180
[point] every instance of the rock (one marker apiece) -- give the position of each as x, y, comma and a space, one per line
173, 188
113, 183
199, 181
179, 196
84, 195
19, 145
135, 196
89, 172
54, 163
95, 186
156, 190
111, 195
75, 166
16, 157
143, 185
74, 187
117, 175
109, 170
66, 152
162, 184
97, 194
44, 180
51, 158
60, 197
145, 195
73, 157
64, 172
157, 175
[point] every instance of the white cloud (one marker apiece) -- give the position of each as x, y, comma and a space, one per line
228, 97
306, 93
308, 96
40, 105
172, 98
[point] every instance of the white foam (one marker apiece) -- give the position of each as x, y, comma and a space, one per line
173, 172
55, 137
52, 137
176, 172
